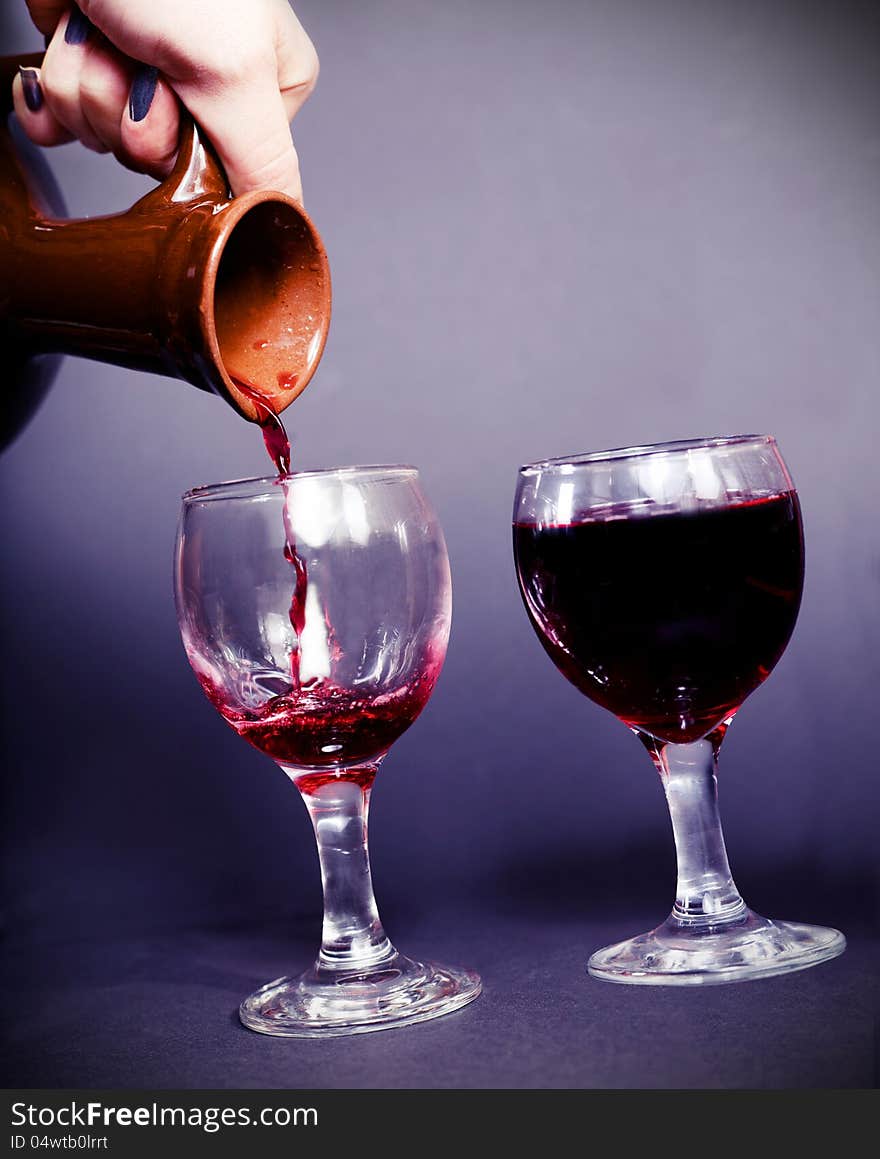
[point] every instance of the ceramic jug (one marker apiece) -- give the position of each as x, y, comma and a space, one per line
229, 294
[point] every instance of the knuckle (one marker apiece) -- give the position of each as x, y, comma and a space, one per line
241, 71
311, 69
274, 173
92, 86
217, 65
59, 86
274, 166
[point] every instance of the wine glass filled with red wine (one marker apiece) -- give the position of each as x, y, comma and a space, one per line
315, 611
664, 582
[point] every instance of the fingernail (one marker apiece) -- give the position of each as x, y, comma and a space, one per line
143, 88
78, 28
33, 90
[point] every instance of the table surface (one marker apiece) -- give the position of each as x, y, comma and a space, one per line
160, 1011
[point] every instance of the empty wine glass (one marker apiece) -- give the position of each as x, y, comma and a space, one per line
664, 582
315, 612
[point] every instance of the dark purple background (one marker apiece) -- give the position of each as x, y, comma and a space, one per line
552, 227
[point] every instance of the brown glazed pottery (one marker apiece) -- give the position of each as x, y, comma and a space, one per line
230, 294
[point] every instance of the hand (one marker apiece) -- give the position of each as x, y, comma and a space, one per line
114, 71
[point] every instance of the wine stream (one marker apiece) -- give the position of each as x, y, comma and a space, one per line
316, 724
278, 449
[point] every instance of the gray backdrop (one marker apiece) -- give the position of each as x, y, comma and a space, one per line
552, 227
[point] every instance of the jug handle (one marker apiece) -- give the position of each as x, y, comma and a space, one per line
196, 173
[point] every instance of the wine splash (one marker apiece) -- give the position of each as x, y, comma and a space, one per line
326, 727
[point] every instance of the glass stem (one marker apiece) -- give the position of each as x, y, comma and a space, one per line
706, 894
353, 937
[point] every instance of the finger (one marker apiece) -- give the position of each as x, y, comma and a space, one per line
298, 63
150, 125
104, 81
32, 111
61, 74
262, 159
247, 124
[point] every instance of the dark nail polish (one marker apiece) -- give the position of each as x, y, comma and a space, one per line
47, 39
78, 28
143, 88
33, 91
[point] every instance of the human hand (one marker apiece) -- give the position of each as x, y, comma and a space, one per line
114, 71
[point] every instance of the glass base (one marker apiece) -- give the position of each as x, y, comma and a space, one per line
323, 1003
676, 954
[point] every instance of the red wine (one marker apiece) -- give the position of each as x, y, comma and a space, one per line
274, 433
287, 381
317, 724
667, 620
275, 438
363, 777
326, 726
278, 449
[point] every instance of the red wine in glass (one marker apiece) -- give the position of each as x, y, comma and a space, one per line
388, 596
326, 726
317, 724
668, 620
664, 581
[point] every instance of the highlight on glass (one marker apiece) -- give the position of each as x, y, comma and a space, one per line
315, 612
664, 582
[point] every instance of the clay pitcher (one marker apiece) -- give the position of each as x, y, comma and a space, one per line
229, 294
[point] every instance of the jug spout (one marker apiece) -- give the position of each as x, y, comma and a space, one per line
229, 294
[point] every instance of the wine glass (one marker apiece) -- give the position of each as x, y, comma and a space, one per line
315, 612
664, 582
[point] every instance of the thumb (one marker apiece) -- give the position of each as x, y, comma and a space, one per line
247, 124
